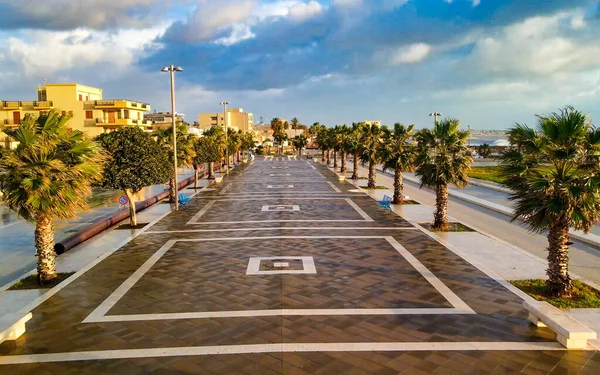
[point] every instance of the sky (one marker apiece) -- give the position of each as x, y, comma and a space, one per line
489, 63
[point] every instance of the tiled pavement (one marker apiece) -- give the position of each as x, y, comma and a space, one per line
199, 293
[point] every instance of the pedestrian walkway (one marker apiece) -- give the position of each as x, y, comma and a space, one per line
282, 269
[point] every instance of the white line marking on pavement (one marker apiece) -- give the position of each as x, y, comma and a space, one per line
312, 166
99, 314
335, 188
278, 348
204, 209
358, 209
253, 229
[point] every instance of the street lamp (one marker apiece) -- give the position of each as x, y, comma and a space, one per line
172, 69
225, 104
435, 116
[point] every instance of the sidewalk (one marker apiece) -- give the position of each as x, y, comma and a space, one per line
484, 251
80, 259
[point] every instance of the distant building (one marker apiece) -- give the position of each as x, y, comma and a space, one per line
91, 113
292, 133
375, 122
262, 133
236, 119
162, 120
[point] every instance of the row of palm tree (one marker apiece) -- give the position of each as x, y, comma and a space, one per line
439, 155
553, 171
50, 173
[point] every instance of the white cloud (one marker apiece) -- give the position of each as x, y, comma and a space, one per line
44, 53
66, 14
578, 22
239, 33
346, 3
302, 11
538, 46
476, 2
210, 17
410, 54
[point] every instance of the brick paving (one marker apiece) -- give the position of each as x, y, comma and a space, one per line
385, 298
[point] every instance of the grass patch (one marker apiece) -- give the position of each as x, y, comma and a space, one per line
583, 294
489, 173
31, 282
378, 187
452, 227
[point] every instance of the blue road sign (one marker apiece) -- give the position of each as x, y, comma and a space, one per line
123, 200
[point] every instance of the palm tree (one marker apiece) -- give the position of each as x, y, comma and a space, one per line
49, 176
336, 144
354, 146
212, 148
398, 153
294, 123
370, 139
443, 159
484, 150
300, 141
323, 143
343, 137
554, 174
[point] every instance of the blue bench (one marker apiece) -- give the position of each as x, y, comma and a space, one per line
386, 202
184, 200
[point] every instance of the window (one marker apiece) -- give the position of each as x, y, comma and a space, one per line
89, 115
80, 97
126, 113
87, 98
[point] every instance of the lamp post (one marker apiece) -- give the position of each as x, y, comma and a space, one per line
172, 69
225, 104
435, 116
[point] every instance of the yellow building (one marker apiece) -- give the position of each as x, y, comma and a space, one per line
91, 113
162, 120
237, 119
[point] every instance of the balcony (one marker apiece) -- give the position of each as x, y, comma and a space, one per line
11, 105
113, 122
115, 104
7, 122
43, 104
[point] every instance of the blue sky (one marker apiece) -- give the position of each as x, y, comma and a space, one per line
489, 63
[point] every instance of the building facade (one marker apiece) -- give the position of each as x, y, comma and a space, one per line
373, 122
90, 112
237, 119
161, 120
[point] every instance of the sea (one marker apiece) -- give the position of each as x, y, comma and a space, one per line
490, 139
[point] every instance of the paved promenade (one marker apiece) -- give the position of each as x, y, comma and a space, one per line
281, 269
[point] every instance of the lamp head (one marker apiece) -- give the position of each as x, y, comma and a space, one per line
178, 69
165, 69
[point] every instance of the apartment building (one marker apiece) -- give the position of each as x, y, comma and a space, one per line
91, 113
237, 119
161, 120
372, 122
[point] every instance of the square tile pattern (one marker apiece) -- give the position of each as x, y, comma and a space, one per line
281, 265
385, 297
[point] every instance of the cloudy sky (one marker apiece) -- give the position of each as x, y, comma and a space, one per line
487, 62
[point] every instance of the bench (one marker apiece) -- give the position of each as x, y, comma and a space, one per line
569, 332
184, 200
386, 202
12, 325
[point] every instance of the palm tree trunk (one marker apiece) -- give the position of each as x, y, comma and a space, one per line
372, 175
328, 157
196, 176
323, 156
355, 166
441, 208
211, 171
335, 160
172, 189
343, 163
559, 281
398, 187
132, 214
44, 245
